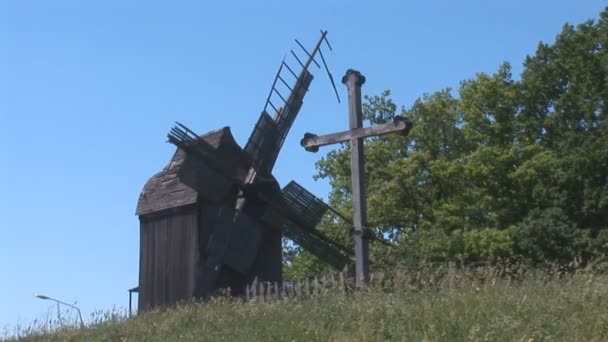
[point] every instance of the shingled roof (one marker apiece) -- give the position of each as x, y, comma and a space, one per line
164, 190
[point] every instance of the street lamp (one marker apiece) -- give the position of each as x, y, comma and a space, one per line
62, 303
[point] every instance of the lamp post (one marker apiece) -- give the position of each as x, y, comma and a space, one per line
40, 296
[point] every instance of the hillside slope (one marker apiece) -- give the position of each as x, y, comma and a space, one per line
448, 308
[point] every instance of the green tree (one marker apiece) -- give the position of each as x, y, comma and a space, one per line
505, 168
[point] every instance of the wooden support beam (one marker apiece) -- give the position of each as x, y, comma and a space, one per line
312, 142
353, 81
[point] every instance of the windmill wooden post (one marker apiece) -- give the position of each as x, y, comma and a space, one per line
355, 135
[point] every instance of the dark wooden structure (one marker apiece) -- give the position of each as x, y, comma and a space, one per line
215, 216
175, 228
311, 142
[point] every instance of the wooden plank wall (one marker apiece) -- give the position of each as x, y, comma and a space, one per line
168, 257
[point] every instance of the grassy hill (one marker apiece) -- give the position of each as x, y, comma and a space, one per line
439, 304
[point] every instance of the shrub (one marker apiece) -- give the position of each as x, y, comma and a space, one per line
487, 244
548, 234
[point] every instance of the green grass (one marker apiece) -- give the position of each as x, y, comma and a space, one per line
443, 305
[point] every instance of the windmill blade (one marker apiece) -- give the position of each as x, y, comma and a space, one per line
302, 206
319, 245
277, 131
311, 240
286, 108
261, 146
234, 244
312, 58
286, 117
331, 78
298, 214
307, 210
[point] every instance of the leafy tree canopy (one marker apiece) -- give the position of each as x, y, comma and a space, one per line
501, 168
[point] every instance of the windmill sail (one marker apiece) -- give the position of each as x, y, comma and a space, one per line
267, 139
298, 217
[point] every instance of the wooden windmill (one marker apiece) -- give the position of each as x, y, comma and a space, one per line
215, 216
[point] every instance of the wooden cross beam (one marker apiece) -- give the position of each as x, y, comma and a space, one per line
311, 142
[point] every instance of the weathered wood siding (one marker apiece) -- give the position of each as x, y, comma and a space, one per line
169, 257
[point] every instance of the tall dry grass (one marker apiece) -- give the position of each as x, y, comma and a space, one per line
428, 303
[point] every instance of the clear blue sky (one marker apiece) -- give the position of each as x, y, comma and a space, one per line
89, 90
